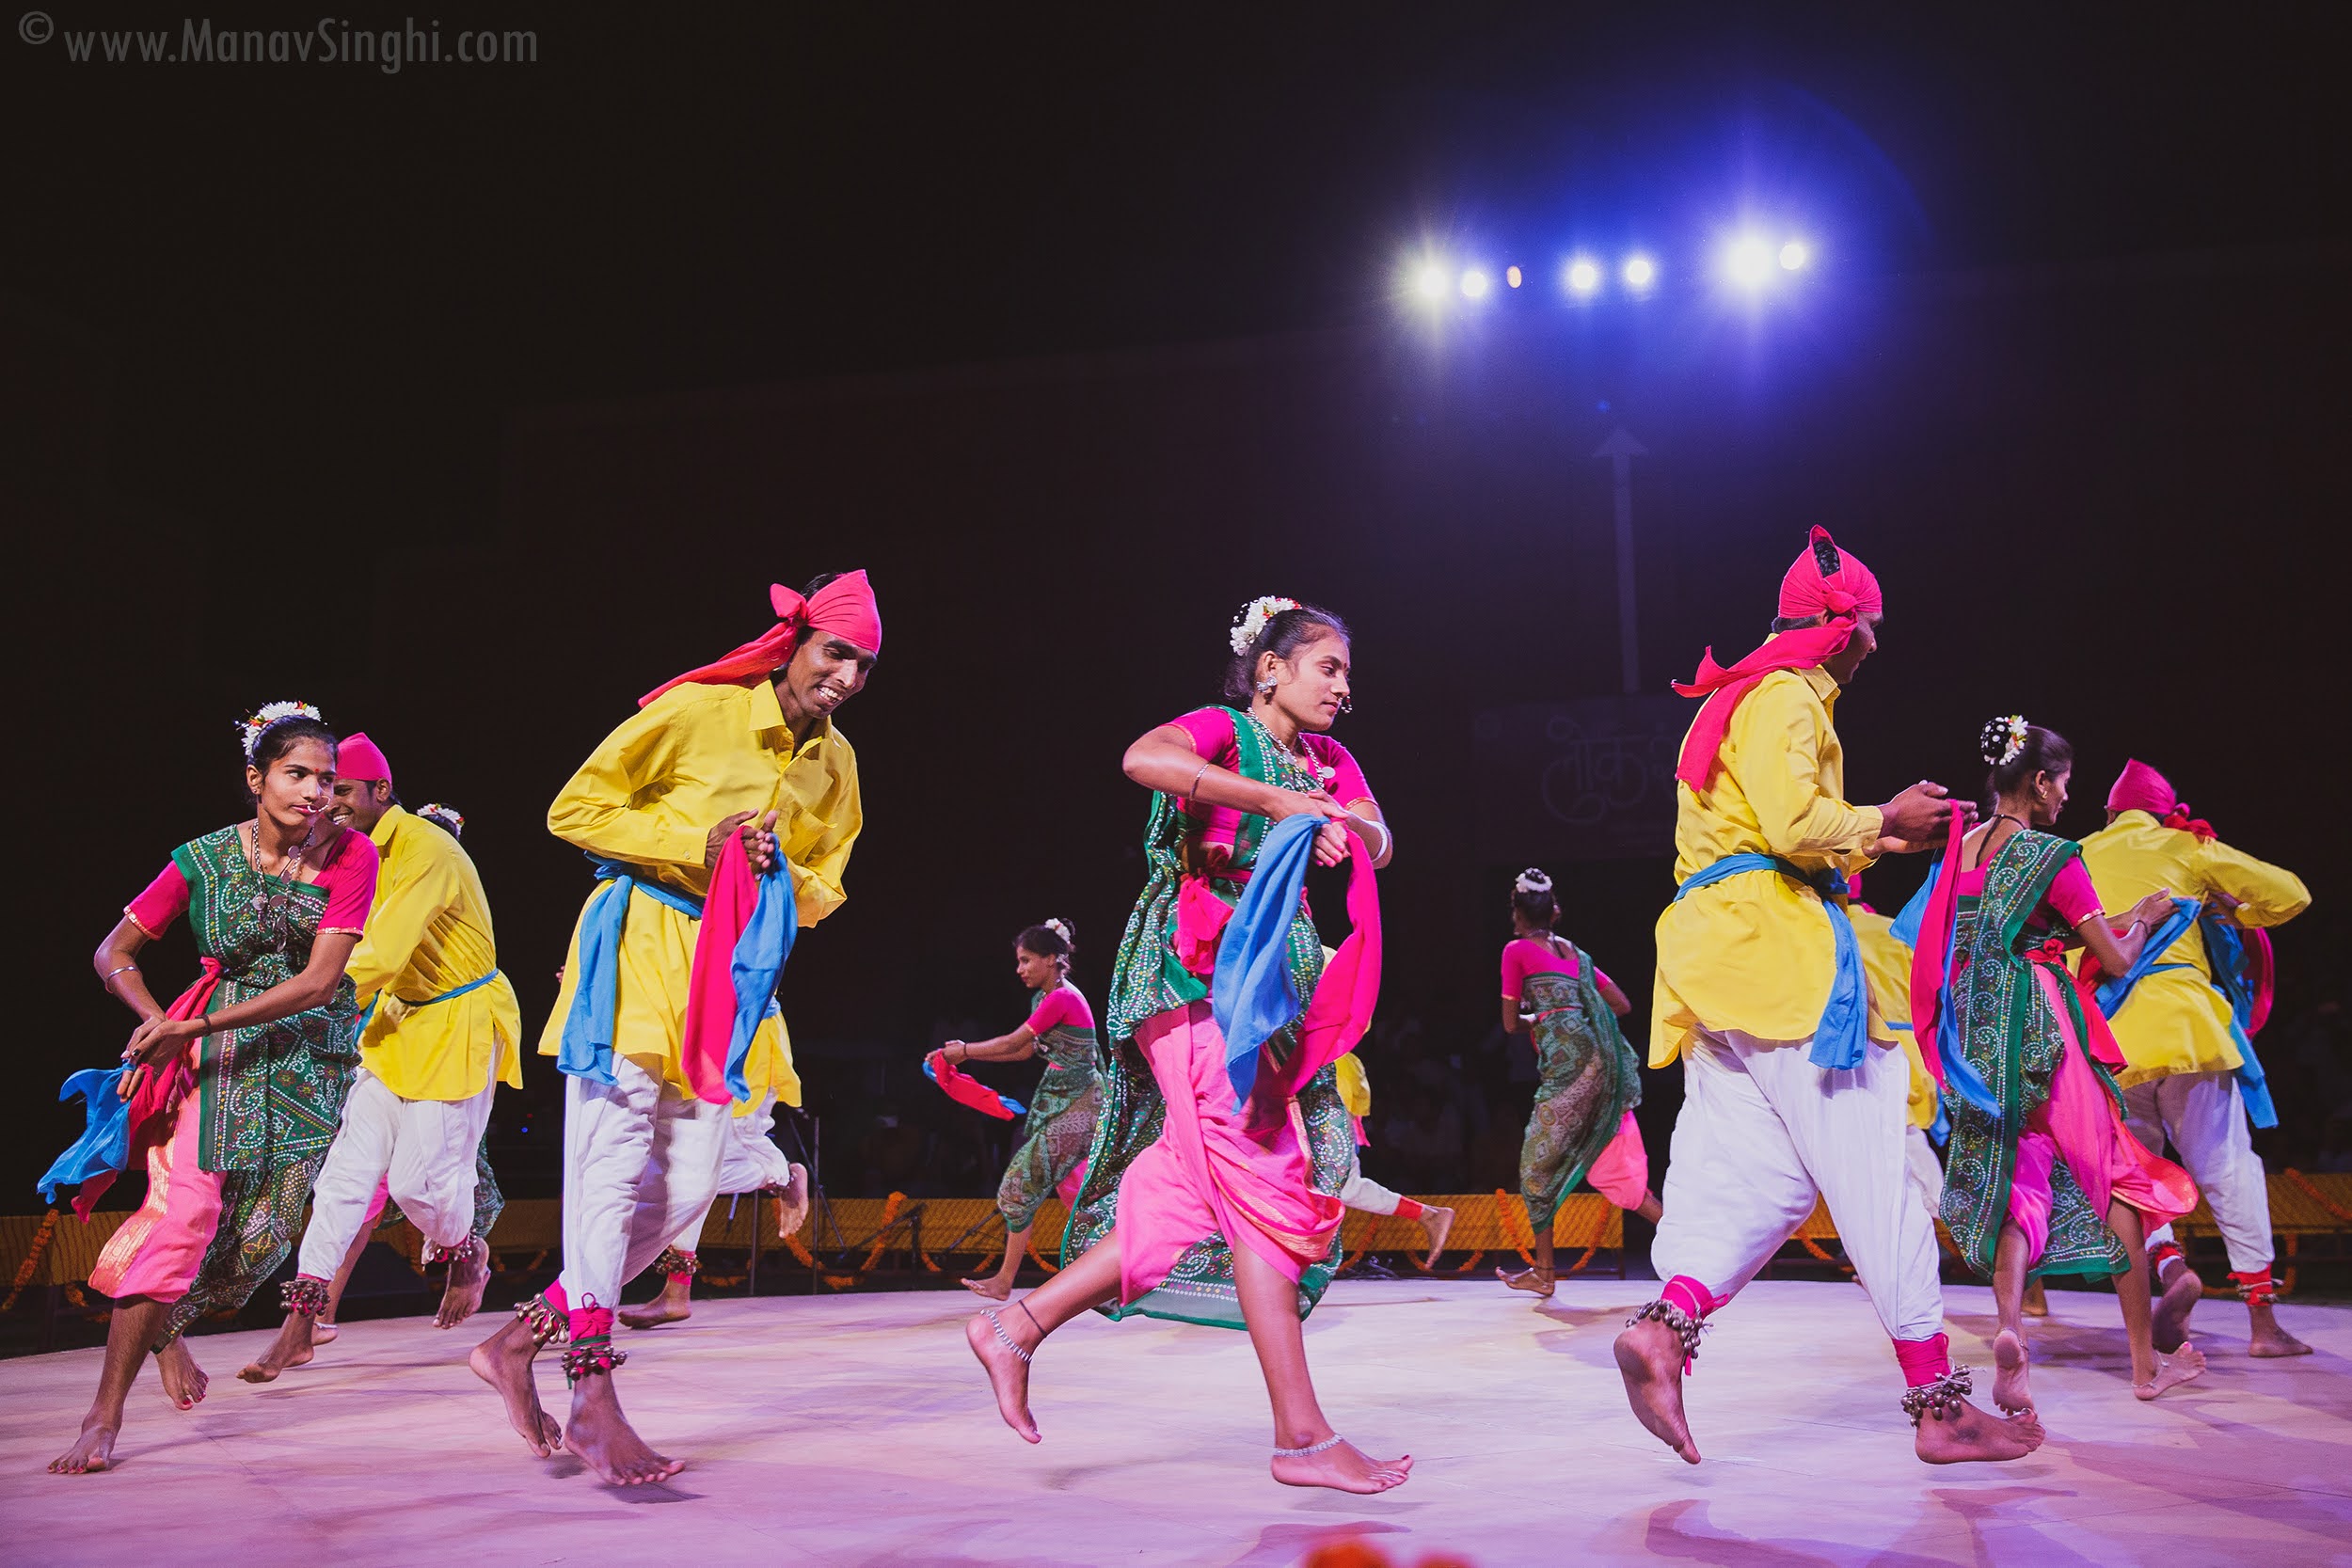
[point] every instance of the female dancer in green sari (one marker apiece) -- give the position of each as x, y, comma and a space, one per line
236, 1091
1582, 1124
1068, 1098
1196, 1205
2042, 1176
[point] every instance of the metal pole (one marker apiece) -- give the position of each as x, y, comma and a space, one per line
1621, 449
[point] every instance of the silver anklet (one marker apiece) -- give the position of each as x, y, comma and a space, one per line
1331, 1442
989, 1313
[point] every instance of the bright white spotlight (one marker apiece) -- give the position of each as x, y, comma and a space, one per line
1475, 284
1794, 255
1429, 281
1582, 276
1639, 271
1512, 276
1749, 261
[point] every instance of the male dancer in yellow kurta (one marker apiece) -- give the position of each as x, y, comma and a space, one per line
2184, 1049
745, 746
1791, 1091
442, 1028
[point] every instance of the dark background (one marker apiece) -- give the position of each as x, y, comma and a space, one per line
470, 402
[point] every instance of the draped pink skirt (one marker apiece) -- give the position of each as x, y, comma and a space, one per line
2079, 1124
158, 1249
1218, 1169
1621, 1173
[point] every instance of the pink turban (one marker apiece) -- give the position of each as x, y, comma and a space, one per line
2140, 788
1823, 582
844, 607
357, 758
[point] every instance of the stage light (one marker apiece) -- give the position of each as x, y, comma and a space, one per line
1749, 261
1429, 280
1581, 277
1511, 276
1639, 271
1475, 284
1794, 255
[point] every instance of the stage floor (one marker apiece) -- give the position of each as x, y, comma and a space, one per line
857, 1430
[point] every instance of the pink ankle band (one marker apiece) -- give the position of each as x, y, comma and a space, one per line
2165, 1252
590, 1323
1924, 1360
1691, 1297
681, 1276
1407, 1209
556, 1298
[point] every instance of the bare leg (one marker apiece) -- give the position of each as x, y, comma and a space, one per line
128, 1334
2180, 1290
292, 1348
1538, 1280
1269, 1307
468, 1276
504, 1362
604, 1441
1650, 1209
324, 1331
998, 1286
676, 1303
1650, 1358
1436, 1221
2152, 1372
2011, 1391
2036, 1303
2268, 1338
185, 1382
1087, 1283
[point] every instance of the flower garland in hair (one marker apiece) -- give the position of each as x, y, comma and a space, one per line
1060, 929
448, 816
1250, 623
1532, 880
250, 728
2014, 725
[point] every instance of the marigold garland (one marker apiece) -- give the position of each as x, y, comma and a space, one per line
31, 1265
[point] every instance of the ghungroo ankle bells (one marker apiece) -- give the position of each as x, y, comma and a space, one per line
1941, 1399
590, 1356
673, 1261
305, 1295
1686, 1327
547, 1325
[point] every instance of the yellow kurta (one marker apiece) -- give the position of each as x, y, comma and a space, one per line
2175, 1020
429, 933
649, 796
1754, 953
1886, 962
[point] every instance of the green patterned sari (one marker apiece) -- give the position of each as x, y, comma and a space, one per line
1060, 1125
272, 1096
2016, 1040
1148, 977
1590, 1081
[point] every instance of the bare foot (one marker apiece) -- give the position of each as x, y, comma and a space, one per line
1973, 1435
792, 1202
93, 1451
503, 1361
323, 1333
1533, 1281
292, 1348
1343, 1468
2010, 1389
1649, 1355
2169, 1325
2037, 1302
604, 1441
2172, 1371
993, 1287
2268, 1338
469, 1273
674, 1305
1437, 1220
185, 1382
1007, 1373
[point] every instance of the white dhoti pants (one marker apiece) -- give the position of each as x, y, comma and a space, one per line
749, 1161
1761, 1134
1363, 1194
2206, 1119
1924, 1171
424, 1149
640, 1160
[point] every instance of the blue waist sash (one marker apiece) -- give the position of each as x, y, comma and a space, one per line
1843, 1033
471, 985
2225, 955
586, 1049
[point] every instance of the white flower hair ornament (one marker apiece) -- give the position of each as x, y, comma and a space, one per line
1532, 880
1061, 928
2014, 725
249, 729
448, 816
1250, 623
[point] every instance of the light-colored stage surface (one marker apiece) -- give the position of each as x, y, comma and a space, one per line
857, 1430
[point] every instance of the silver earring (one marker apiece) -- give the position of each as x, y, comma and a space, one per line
1265, 688
1347, 704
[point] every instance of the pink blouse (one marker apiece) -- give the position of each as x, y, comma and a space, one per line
1211, 730
1524, 955
348, 879
1063, 1005
2071, 892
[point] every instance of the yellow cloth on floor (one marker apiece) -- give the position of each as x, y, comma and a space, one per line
429, 933
1754, 952
2176, 1021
